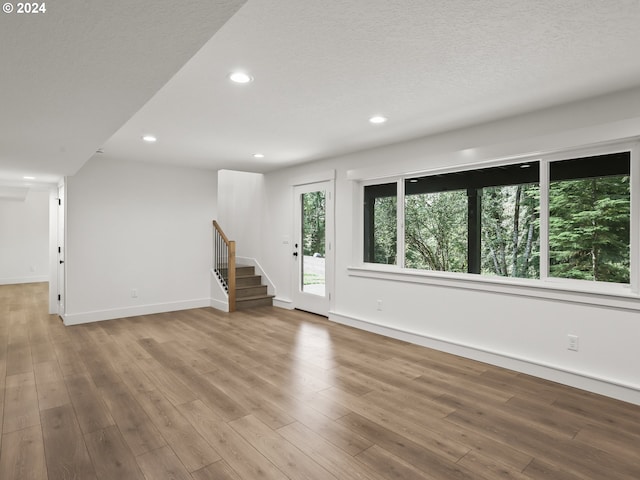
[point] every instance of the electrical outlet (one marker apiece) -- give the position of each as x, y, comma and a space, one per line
134, 293
573, 343
379, 305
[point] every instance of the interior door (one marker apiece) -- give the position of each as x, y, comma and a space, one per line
61, 283
313, 249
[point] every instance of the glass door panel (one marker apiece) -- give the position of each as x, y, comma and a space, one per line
313, 235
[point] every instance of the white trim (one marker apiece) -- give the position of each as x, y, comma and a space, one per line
634, 241
328, 175
589, 151
574, 378
61, 240
601, 294
380, 181
100, 315
400, 221
357, 226
285, 303
53, 250
219, 305
20, 280
543, 187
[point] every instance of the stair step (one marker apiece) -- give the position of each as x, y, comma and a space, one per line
254, 301
245, 270
250, 291
241, 271
247, 280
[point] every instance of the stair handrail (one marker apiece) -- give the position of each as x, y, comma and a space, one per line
224, 263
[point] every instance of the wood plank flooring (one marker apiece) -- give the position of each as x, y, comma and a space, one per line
275, 394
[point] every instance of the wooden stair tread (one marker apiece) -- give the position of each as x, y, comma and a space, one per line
254, 297
247, 279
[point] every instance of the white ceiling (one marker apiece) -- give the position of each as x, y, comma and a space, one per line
71, 76
321, 69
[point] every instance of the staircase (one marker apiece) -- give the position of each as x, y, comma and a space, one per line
250, 292
242, 287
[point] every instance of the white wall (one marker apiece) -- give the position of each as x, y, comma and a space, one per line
134, 226
513, 330
238, 195
24, 238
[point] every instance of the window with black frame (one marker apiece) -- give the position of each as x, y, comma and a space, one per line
488, 221
483, 221
381, 223
590, 218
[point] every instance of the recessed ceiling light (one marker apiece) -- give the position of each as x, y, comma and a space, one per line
378, 119
29, 178
149, 138
258, 155
240, 77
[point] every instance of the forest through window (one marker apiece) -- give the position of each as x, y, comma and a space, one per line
488, 221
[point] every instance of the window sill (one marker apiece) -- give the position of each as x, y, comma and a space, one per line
601, 294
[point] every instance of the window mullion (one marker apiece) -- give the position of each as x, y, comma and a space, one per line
474, 229
544, 219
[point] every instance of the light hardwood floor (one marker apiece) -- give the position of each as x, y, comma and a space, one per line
275, 394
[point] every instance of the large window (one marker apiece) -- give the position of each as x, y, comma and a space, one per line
489, 221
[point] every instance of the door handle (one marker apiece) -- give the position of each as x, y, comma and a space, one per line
295, 254
61, 262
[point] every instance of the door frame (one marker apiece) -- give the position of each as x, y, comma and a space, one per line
319, 305
60, 250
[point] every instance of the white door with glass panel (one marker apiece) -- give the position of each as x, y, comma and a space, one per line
312, 247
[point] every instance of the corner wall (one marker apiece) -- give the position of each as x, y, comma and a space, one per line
139, 239
520, 332
239, 197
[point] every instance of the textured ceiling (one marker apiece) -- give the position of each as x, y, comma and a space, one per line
322, 68
70, 77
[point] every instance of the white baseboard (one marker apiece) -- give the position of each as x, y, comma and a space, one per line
283, 303
581, 380
100, 315
219, 305
20, 280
